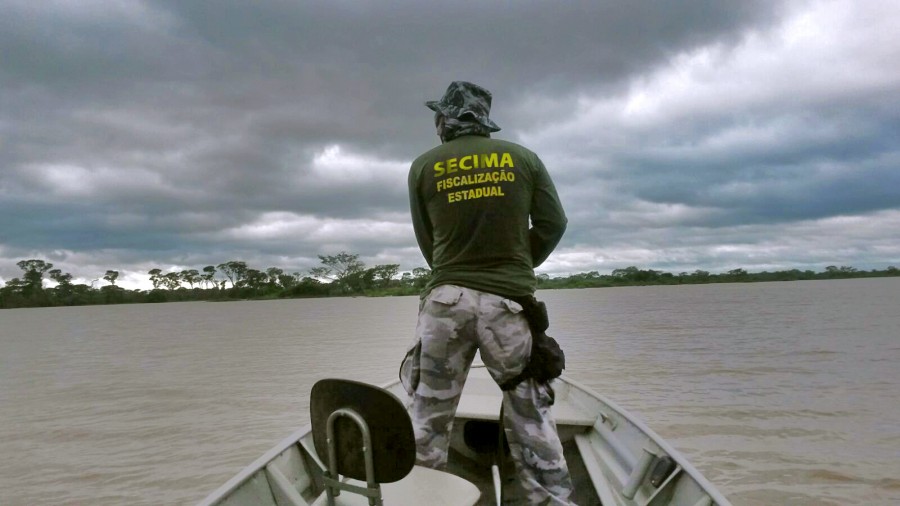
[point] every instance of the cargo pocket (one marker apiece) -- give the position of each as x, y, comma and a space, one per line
447, 295
411, 367
439, 320
512, 306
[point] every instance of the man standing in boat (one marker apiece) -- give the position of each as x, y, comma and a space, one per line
485, 213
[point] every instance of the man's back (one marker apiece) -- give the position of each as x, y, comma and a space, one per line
471, 200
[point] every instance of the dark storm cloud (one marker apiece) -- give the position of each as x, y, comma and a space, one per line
792, 128
183, 133
811, 168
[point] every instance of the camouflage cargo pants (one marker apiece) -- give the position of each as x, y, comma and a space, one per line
453, 323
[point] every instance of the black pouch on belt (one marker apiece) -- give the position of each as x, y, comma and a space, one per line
535, 312
547, 358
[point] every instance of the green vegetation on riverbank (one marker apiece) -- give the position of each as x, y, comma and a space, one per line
339, 275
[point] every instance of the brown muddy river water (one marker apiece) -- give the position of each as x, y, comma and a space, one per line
780, 393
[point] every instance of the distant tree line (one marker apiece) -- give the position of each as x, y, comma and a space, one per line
343, 274
338, 275
633, 276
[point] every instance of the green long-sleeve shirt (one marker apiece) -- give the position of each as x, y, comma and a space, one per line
471, 200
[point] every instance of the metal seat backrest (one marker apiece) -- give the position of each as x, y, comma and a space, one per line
345, 402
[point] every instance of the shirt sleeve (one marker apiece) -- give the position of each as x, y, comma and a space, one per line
421, 222
548, 220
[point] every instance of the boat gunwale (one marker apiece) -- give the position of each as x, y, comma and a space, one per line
676, 455
254, 467
260, 463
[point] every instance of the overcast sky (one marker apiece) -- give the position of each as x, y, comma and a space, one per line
702, 134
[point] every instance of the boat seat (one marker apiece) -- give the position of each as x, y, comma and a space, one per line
365, 437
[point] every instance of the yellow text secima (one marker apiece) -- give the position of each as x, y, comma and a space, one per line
469, 162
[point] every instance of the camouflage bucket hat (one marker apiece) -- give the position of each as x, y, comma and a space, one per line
464, 100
